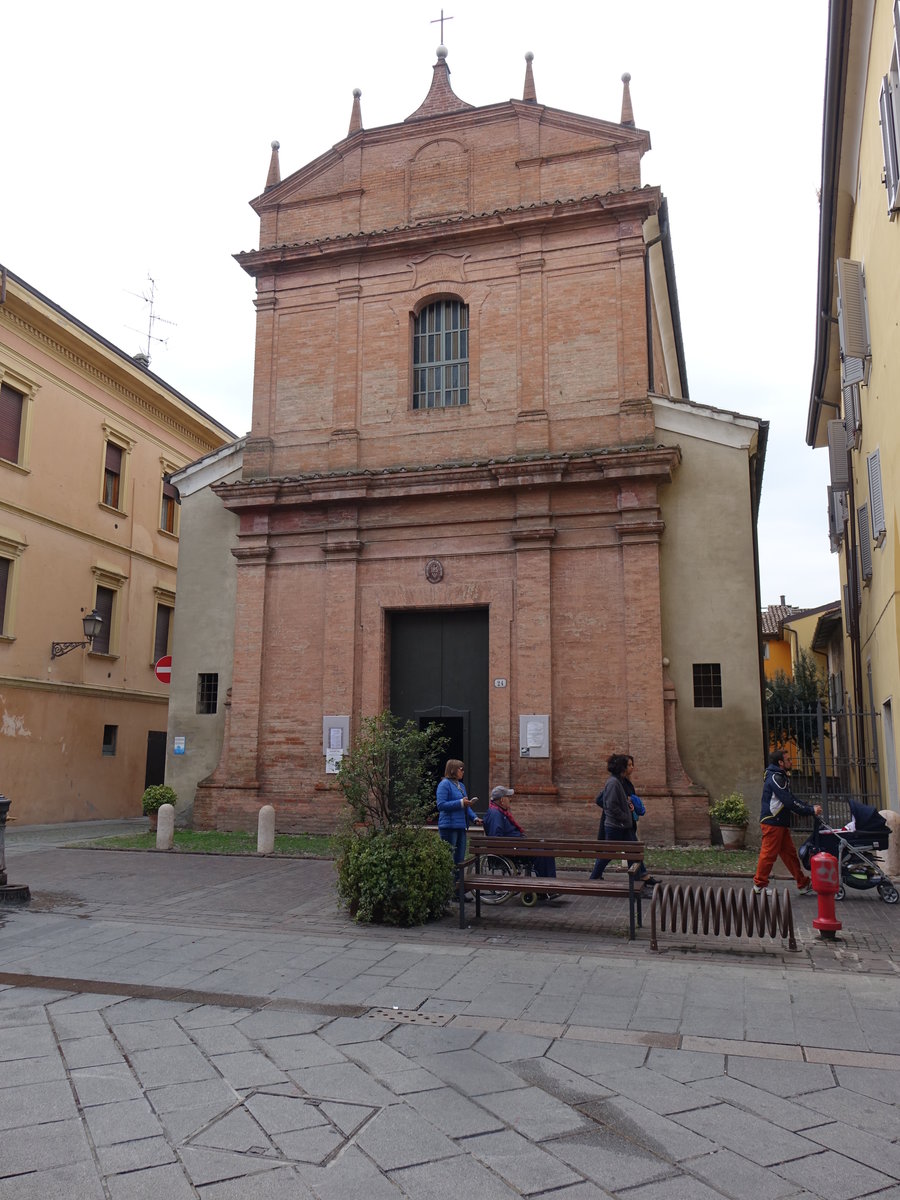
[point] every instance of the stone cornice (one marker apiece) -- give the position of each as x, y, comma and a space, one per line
106, 380
640, 531
349, 548
647, 463
30, 514
533, 539
640, 203
252, 556
82, 689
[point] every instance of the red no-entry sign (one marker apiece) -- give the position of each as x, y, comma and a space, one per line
163, 669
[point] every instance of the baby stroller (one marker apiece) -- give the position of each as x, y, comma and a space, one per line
854, 849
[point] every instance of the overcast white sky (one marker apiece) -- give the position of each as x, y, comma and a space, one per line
133, 137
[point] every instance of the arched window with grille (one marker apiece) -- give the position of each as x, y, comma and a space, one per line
441, 355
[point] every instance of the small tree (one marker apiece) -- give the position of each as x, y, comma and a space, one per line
392, 870
801, 693
791, 706
387, 776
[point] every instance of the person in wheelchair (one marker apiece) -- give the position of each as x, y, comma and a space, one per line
498, 821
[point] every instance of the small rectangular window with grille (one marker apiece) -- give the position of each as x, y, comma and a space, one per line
707, 685
207, 692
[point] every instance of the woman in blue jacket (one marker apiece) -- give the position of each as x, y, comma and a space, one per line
454, 813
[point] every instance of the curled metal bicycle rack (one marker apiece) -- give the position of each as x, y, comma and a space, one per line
722, 912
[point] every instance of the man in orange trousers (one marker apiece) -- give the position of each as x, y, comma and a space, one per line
778, 802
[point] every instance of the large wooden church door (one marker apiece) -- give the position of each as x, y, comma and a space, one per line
439, 672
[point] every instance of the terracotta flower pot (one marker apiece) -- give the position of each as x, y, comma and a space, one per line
733, 836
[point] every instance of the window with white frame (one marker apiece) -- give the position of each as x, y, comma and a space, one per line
169, 499
837, 517
16, 396
10, 550
441, 355
168, 511
162, 624
12, 411
852, 415
853, 322
889, 111
5, 579
865, 542
106, 601
117, 447
112, 474
876, 497
162, 632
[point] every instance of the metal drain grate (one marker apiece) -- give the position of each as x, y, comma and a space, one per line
409, 1016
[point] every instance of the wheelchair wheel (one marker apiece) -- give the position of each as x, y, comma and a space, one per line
493, 864
888, 893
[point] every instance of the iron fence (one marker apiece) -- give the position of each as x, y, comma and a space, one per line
835, 756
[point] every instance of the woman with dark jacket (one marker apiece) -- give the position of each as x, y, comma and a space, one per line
615, 802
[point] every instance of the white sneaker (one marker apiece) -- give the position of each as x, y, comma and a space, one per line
759, 891
806, 891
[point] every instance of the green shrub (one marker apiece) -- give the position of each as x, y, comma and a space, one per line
388, 775
156, 796
730, 810
393, 876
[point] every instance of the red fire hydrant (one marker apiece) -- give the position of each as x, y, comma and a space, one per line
823, 869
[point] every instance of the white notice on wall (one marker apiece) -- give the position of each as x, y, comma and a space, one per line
335, 738
178, 745
535, 733
333, 761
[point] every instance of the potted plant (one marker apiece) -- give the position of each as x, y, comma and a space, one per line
391, 869
154, 798
732, 816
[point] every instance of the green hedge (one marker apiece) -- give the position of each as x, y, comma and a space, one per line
399, 876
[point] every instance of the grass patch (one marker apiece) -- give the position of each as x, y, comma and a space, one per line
672, 860
701, 860
690, 860
191, 841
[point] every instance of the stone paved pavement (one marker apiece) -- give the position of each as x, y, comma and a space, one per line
181, 1026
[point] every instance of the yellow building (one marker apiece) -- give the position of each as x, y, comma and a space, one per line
788, 631
87, 524
853, 403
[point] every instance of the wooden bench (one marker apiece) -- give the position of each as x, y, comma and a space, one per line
627, 886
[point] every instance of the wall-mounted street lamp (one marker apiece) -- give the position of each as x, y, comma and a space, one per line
92, 623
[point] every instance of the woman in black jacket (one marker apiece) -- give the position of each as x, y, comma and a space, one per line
617, 819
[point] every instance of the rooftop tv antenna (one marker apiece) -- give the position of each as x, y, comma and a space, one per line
149, 298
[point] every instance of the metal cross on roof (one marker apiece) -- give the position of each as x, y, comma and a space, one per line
442, 19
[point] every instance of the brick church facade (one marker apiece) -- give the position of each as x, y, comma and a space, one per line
474, 485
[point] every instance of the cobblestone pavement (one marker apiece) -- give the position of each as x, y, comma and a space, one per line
189, 1026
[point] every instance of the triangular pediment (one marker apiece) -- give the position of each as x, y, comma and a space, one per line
452, 165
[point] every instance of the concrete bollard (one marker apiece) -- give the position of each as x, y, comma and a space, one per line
165, 827
265, 834
891, 856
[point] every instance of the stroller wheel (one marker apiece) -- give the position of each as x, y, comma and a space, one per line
888, 893
529, 899
840, 893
